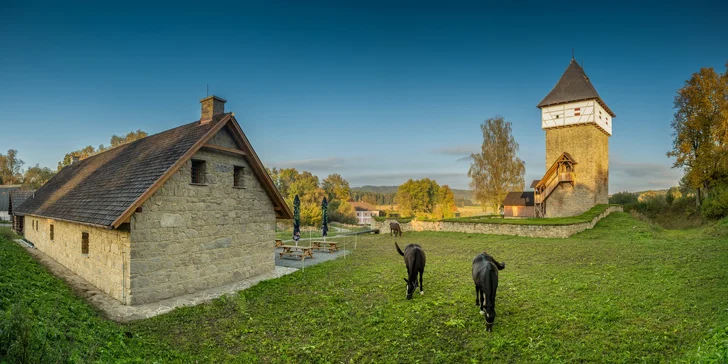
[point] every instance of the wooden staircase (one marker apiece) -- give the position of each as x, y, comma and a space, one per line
562, 171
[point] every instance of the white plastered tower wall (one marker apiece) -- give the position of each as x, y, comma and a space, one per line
576, 113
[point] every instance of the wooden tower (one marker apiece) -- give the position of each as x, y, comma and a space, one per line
578, 124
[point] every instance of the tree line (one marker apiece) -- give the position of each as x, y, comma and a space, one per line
290, 182
700, 140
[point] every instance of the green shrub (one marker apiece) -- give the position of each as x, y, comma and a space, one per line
623, 198
715, 205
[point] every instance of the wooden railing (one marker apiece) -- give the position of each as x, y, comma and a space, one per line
561, 171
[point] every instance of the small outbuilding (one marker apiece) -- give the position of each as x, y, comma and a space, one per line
5, 191
518, 204
17, 197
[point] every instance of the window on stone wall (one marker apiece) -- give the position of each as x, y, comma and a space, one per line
198, 171
51, 231
84, 243
238, 176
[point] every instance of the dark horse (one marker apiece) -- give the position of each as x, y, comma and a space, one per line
395, 229
485, 277
414, 258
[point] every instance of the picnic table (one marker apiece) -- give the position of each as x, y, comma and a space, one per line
279, 242
331, 246
296, 251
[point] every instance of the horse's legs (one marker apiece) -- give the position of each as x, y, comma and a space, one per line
477, 295
422, 289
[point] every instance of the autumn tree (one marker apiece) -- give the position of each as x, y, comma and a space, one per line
336, 187
35, 177
445, 207
700, 130
90, 150
496, 170
417, 196
10, 168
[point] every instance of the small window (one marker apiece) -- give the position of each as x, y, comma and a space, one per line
557, 116
198, 172
84, 243
51, 231
238, 176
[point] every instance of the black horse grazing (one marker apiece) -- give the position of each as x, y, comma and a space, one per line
395, 228
485, 276
414, 258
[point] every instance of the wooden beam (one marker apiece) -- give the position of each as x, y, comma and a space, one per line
224, 149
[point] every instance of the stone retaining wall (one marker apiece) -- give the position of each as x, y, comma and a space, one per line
535, 231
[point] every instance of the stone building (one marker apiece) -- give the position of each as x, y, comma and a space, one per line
183, 210
578, 124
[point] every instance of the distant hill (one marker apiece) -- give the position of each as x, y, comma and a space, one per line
459, 194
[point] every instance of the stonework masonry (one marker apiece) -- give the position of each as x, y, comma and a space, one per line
106, 265
194, 237
535, 231
590, 148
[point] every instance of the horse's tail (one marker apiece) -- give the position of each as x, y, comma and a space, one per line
398, 249
500, 266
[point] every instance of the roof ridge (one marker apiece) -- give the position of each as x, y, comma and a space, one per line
152, 135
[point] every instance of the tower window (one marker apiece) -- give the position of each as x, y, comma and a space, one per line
52, 232
557, 116
198, 172
238, 176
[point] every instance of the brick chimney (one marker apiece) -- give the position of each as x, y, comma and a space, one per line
211, 106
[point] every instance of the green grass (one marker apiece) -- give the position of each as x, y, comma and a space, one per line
621, 292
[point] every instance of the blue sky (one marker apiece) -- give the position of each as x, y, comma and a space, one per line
379, 92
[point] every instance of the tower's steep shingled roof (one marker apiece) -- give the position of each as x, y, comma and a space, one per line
574, 85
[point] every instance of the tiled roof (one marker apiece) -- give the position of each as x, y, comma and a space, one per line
17, 198
518, 199
103, 188
363, 206
5, 195
574, 85
97, 190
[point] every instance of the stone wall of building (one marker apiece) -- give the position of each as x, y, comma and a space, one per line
590, 148
535, 231
106, 265
194, 237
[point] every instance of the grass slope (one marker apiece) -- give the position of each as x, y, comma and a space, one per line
623, 291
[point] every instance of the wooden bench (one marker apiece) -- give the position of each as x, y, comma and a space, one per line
279, 242
300, 252
331, 246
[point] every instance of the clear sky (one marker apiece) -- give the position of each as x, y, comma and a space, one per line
379, 92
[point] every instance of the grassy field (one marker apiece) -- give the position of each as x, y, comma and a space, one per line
622, 292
